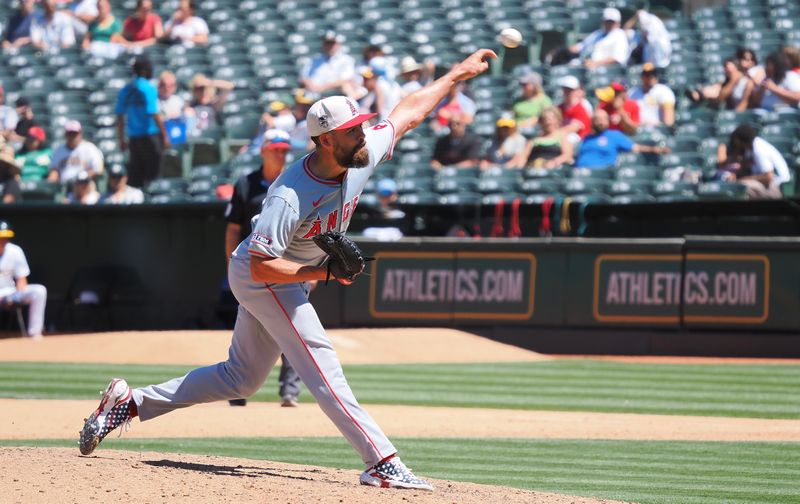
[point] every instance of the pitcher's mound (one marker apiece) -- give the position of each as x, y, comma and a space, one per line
33, 475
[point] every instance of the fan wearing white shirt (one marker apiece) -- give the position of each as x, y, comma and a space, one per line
75, 156
52, 29
606, 46
331, 70
185, 27
656, 101
762, 167
654, 38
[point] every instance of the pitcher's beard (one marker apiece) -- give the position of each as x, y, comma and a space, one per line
359, 158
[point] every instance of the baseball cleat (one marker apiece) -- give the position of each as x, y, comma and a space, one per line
391, 472
289, 402
113, 411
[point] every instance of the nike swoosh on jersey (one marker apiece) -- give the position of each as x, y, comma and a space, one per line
316, 203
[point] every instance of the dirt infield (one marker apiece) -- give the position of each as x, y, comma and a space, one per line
258, 419
46, 475
354, 346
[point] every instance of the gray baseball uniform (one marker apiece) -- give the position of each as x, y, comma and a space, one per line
275, 318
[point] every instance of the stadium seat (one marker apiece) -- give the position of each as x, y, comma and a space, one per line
721, 190
167, 186
39, 191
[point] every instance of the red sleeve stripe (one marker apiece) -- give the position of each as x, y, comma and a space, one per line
391, 146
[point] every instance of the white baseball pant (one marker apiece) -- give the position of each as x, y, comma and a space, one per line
273, 320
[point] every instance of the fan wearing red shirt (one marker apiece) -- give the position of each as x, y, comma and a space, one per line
575, 114
143, 28
623, 113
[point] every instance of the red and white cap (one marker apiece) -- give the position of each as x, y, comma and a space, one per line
334, 113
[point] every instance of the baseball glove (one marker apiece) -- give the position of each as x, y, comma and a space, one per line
345, 260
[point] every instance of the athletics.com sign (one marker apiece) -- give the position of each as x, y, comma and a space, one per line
712, 288
476, 285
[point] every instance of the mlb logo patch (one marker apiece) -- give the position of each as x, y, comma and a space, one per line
261, 240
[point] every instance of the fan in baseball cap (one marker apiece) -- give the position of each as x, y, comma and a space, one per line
334, 113
276, 139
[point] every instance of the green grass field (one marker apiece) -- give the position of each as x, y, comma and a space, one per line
757, 391
641, 471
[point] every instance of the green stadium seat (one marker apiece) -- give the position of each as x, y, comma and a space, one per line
412, 185
455, 184
209, 172
496, 185
39, 191
629, 199
169, 198
721, 190
462, 198
628, 187
583, 186
665, 188
167, 186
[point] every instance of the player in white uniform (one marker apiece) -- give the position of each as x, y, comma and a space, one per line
269, 274
14, 286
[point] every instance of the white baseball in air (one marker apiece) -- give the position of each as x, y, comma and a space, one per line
510, 37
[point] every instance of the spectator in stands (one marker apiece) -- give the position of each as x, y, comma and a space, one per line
601, 147
457, 103
34, 158
551, 148
9, 176
300, 139
25, 118
170, 104
75, 156
460, 147
332, 71
208, 98
373, 56
653, 39
754, 162
14, 287
606, 46
278, 116
298, 134
379, 94
144, 27
186, 28
147, 136
780, 87
748, 62
507, 143
414, 75
8, 117
83, 13
532, 102
17, 32
734, 92
104, 34
248, 195
623, 113
576, 120
84, 191
793, 56
656, 101
52, 29
387, 200
119, 192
